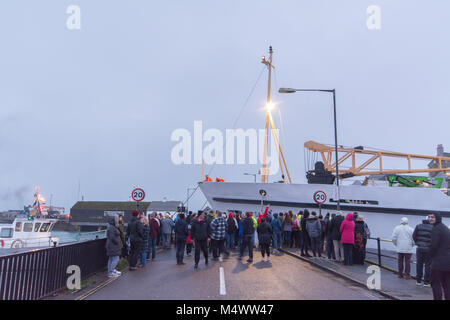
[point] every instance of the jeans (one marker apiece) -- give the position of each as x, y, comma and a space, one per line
276, 240
348, 254
240, 237
316, 246
112, 263
247, 243
166, 240
294, 239
152, 247
300, 239
423, 258
287, 237
135, 248
188, 248
265, 248
142, 258
440, 281
203, 246
330, 249
404, 259
338, 250
180, 244
230, 241
218, 247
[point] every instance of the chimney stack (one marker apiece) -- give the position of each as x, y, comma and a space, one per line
440, 150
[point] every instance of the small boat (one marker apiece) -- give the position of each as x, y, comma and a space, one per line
26, 232
30, 228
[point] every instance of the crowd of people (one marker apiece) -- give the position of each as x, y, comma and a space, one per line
338, 238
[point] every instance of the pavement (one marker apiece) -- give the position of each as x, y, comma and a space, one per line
390, 286
286, 277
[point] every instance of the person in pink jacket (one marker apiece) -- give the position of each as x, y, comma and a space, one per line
348, 238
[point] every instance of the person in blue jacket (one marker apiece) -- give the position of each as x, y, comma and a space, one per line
276, 229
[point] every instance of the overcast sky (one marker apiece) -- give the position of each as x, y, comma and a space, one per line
97, 106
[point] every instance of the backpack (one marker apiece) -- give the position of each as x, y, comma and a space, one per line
358, 241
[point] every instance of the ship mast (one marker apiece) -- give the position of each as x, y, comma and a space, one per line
269, 122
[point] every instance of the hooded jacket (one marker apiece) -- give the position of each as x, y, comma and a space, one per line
402, 237
347, 229
313, 227
440, 246
275, 224
218, 228
167, 225
113, 241
264, 233
232, 225
135, 230
154, 228
248, 227
422, 236
335, 227
181, 229
200, 230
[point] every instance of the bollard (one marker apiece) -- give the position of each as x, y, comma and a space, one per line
379, 252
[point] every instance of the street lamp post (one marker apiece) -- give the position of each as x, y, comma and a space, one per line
250, 174
290, 90
187, 200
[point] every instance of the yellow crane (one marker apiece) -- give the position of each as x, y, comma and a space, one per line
377, 157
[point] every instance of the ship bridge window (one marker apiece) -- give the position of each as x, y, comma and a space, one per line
37, 226
6, 233
372, 202
45, 227
18, 226
27, 227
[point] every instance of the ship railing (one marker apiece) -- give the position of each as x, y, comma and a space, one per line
379, 253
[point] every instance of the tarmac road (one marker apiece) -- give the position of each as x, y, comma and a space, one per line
284, 278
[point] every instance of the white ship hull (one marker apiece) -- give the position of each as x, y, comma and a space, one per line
382, 207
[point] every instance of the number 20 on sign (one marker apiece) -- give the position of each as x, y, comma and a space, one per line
138, 194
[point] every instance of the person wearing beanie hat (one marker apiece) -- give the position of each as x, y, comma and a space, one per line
135, 233
402, 238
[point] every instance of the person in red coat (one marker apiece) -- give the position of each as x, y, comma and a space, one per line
348, 238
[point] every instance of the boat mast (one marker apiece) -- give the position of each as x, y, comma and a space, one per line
268, 63
269, 122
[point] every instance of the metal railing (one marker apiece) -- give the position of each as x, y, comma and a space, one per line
379, 253
39, 273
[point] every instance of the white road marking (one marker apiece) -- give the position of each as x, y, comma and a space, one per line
223, 290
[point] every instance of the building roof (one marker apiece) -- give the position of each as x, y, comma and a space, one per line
164, 206
110, 205
127, 205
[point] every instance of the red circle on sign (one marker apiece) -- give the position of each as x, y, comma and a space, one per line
320, 197
138, 194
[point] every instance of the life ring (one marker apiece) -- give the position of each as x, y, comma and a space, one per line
17, 244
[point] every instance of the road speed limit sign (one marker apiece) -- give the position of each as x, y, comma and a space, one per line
138, 194
320, 197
